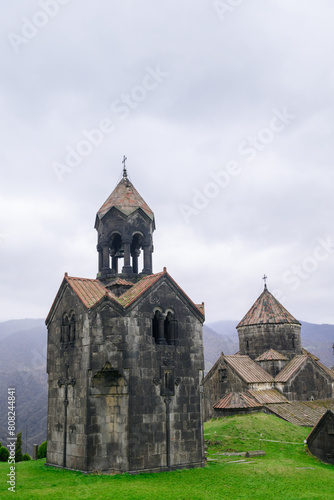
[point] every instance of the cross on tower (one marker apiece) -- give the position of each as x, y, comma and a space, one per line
265, 280
124, 167
66, 382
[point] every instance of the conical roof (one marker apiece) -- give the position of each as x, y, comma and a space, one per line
126, 199
267, 310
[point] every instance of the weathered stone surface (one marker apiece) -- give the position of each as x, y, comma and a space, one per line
321, 439
124, 395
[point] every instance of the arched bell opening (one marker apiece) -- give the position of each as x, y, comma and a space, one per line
136, 254
116, 252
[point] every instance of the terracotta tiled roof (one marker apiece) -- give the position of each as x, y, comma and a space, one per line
236, 400
89, 291
268, 396
248, 370
126, 199
138, 289
272, 355
291, 368
267, 310
120, 281
304, 413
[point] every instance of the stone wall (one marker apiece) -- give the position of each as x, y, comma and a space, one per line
67, 378
310, 382
132, 404
321, 439
219, 382
256, 339
165, 400
273, 366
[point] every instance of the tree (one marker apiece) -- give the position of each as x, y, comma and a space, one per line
4, 454
26, 457
42, 450
18, 447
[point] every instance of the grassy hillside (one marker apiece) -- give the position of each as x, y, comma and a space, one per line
286, 472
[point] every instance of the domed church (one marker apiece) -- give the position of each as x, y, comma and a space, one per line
125, 355
270, 367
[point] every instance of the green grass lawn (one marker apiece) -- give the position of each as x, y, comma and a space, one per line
287, 471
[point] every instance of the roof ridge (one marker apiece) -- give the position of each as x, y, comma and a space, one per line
275, 356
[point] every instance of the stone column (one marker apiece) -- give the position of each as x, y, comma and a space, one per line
105, 258
114, 262
161, 332
148, 249
171, 336
135, 256
127, 269
100, 251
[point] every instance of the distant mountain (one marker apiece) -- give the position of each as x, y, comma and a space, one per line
319, 340
23, 366
215, 343
17, 325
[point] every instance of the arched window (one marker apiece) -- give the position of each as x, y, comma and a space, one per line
167, 379
170, 329
68, 330
155, 326
247, 345
164, 327
65, 330
72, 328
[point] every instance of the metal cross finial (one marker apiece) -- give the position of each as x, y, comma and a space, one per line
265, 280
125, 175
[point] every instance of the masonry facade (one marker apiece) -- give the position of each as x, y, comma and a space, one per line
125, 356
321, 439
271, 366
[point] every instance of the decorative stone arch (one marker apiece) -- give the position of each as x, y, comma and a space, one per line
157, 314
164, 326
108, 380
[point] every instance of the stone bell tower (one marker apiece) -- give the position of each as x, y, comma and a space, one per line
124, 224
125, 356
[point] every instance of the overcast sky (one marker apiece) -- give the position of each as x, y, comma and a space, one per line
224, 110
